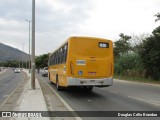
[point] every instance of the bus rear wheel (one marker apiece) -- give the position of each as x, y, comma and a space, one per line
59, 88
88, 88
49, 76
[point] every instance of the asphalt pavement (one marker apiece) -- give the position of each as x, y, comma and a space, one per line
122, 96
8, 82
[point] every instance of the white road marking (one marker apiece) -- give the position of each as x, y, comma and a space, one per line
114, 92
5, 96
156, 103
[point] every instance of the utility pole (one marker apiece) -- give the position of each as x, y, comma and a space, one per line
29, 64
33, 47
22, 53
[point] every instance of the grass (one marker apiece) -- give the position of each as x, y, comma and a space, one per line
136, 79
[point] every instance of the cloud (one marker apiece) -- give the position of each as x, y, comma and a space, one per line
15, 9
109, 18
56, 20
57, 14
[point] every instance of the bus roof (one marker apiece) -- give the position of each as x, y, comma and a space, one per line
74, 37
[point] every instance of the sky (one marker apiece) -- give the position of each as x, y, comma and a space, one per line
57, 20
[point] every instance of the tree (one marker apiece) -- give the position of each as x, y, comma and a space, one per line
9, 64
122, 45
42, 61
129, 64
158, 17
150, 54
137, 41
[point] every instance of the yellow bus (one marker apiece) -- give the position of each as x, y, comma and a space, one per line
82, 61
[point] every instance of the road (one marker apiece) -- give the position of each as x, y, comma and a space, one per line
8, 82
122, 96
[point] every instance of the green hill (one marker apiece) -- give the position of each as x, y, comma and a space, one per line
8, 53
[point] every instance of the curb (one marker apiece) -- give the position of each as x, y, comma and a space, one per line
63, 101
157, 85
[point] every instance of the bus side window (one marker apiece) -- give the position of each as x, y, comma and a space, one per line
53, 59
50, 61
65, 52
61, 55
56, 58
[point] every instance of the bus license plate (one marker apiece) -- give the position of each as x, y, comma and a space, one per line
92, 80
92, 73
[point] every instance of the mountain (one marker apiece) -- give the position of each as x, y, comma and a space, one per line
8, 53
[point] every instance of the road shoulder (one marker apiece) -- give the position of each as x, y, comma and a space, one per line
54, 103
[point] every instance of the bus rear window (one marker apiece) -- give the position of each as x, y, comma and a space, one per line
103, 45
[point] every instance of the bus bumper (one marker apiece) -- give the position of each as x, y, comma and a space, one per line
104, 82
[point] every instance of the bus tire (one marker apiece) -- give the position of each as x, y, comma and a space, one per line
49, 76
59, 88
88, 88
